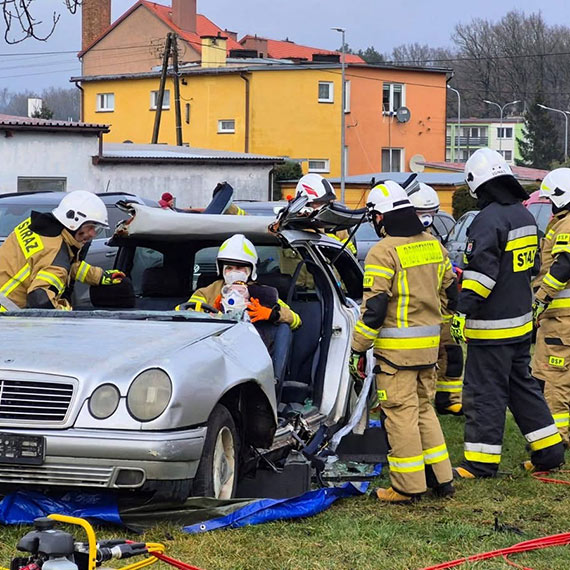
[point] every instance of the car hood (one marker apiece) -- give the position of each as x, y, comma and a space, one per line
81, 347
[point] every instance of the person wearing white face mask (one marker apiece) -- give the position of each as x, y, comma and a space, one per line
237, 261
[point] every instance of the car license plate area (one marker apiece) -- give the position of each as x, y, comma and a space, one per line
21, 449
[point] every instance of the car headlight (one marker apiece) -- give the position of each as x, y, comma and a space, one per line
104, 401
149, 394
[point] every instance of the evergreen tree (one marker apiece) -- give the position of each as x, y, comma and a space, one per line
43, 113
370, 55
539, 146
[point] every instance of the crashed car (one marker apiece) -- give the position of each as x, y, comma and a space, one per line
171, 402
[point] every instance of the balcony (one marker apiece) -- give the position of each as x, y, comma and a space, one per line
467, 142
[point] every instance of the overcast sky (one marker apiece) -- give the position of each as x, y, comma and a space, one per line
375, 23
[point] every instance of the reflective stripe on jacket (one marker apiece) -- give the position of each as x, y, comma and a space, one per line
401, 310
496, 294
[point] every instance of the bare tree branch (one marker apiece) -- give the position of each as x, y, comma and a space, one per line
20, 23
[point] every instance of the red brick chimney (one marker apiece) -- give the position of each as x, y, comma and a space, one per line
184, 14
95, 19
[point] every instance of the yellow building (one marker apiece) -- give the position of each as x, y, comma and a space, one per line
235, 100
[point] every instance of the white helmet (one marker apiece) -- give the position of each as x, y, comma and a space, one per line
240, 250
316, 188
556, 187
426, 202
387, 197
79, 207
484, 165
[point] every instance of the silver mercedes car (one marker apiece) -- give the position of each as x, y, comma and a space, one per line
178, 402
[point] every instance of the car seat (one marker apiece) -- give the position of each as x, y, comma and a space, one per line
162, 289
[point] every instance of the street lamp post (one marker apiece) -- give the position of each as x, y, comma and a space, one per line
458, 139
501, 109
342, 116
566, 129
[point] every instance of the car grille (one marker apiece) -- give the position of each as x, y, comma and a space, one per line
57, 474
23, 401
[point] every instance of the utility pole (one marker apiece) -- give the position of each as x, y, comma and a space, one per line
160, 97
176, 90
342, 115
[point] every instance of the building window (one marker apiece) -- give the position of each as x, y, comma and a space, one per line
105, 102
319, 165
165, 99
507, 155
392, 159
226, 126
326, 92
41, 184
347, 96
187, 113
504, 132
393, 97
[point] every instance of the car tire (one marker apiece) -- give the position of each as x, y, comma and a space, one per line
217, 472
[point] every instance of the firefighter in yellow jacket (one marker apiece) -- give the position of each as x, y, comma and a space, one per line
406, 275
551, 360
450, 357
237, 260
41, 258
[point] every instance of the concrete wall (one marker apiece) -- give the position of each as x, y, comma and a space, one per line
69, 155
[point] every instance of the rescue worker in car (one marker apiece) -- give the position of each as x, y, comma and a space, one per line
551, 308
42, 256
405, 276
237, 261
495, 318
450, 357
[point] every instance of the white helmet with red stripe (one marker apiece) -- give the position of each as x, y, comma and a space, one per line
317, 189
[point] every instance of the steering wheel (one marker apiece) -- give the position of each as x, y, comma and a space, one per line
200, 307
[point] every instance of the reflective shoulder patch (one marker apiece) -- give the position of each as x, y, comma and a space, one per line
368, 281
556, 361
29, 241
419, 253
562, 238
470, 246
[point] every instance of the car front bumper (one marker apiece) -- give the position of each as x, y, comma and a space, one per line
113, 460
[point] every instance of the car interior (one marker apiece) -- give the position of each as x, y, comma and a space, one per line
166, 274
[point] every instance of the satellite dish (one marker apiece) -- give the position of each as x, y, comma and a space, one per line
416, 163
403, 115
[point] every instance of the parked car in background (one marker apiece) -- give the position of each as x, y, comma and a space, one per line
16, 207
541, 209
366, 235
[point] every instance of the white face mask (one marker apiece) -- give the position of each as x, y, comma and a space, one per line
235, 299
236, 275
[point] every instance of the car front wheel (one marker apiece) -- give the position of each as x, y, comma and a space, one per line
218, 469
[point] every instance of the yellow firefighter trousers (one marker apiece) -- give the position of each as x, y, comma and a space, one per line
413, 429
551, 364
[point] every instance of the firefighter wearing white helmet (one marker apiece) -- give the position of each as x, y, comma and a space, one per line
43, 255
236, 287
450, 357
552, 303
405, 274
495, 316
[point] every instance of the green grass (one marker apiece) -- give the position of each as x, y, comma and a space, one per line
361, 533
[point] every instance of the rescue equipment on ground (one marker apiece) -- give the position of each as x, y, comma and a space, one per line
49, 548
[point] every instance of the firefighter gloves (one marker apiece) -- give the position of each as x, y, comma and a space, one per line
538, 307
458, 328
257, 312
111, 277
357, 364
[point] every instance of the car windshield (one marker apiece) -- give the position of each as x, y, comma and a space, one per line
459, 231
12, 214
